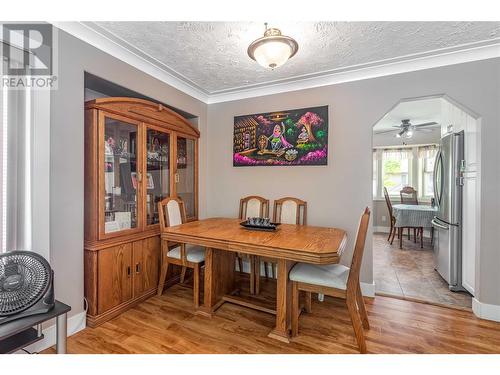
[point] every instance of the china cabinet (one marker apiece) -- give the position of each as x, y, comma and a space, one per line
136, 153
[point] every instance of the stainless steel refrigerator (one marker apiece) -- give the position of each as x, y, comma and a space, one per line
448, 182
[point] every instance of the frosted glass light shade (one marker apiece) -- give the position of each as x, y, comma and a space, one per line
272, 50
272, 54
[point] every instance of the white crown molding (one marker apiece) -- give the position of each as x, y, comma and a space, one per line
413, 63
485, 310
117, 47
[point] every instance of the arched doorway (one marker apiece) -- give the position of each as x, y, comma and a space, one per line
407, 259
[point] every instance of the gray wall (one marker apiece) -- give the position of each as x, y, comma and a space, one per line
337, 193
66, 160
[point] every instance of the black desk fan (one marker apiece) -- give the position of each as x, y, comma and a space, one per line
26, 285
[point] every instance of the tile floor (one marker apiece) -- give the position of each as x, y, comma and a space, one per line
409, 273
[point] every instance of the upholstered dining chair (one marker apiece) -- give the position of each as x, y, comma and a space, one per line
335, 280
172, 212
252, 206
286, 210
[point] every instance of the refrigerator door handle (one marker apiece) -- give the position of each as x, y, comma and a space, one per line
438, 224
437, 194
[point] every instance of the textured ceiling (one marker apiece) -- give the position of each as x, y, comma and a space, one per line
213, 55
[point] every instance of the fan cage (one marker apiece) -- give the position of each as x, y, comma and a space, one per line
35, 272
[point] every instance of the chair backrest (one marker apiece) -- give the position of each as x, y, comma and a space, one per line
253, 206
290, 210
171, 211
359, 248
388, 201
408, 195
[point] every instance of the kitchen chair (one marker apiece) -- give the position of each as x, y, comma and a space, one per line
335, 280
409, 196
252, 206
393, 230
172, 212
286, 210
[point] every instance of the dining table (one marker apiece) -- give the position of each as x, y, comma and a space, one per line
288, 244
413, 216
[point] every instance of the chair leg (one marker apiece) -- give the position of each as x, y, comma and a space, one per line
414, 235
362, 308
257, 275
356, 322
421, 238
253, 273
432, 236
266, 272
196, 286
183, 274
240, 263
409, 237
400, 235
390, 232
308, 305
273, 274
163, 275
295, 308
393, 234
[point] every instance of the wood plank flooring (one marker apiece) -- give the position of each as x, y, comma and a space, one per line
168, 324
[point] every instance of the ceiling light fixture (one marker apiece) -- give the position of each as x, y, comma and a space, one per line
273, 49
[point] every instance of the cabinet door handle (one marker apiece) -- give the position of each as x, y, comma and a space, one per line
128, 271
138, 268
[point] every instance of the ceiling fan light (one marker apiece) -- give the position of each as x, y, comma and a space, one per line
273, 49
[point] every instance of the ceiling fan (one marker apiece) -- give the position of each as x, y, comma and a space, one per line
406, 129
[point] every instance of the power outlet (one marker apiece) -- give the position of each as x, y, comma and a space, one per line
384, 218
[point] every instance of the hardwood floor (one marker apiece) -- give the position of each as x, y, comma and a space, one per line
409, 273
168, 324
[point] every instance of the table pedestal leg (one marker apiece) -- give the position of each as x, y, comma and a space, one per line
283, 302
219, 279
61, 333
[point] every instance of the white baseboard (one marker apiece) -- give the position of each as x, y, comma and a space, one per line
368, 290
485, 310
75, 324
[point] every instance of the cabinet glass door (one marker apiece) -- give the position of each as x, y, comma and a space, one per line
185, 176
157, 172
121, 178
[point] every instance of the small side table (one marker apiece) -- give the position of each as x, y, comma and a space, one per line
20, 333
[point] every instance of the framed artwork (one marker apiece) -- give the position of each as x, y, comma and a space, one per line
292, 137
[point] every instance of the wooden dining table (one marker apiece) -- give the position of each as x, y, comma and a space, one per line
224, 237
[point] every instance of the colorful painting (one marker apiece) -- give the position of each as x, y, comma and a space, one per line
294, 137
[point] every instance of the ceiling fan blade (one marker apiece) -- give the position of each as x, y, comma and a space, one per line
433, 123
386, 131
424, 130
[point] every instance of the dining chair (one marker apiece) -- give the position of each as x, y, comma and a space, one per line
286, 210
173, 212
409, 195
252, 206
335, 280
393, 230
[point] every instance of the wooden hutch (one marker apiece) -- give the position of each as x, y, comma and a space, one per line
136, 153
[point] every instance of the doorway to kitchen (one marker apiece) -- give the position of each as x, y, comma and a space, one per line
409, 251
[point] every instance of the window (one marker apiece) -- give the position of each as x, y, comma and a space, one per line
397, 167
427, 158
